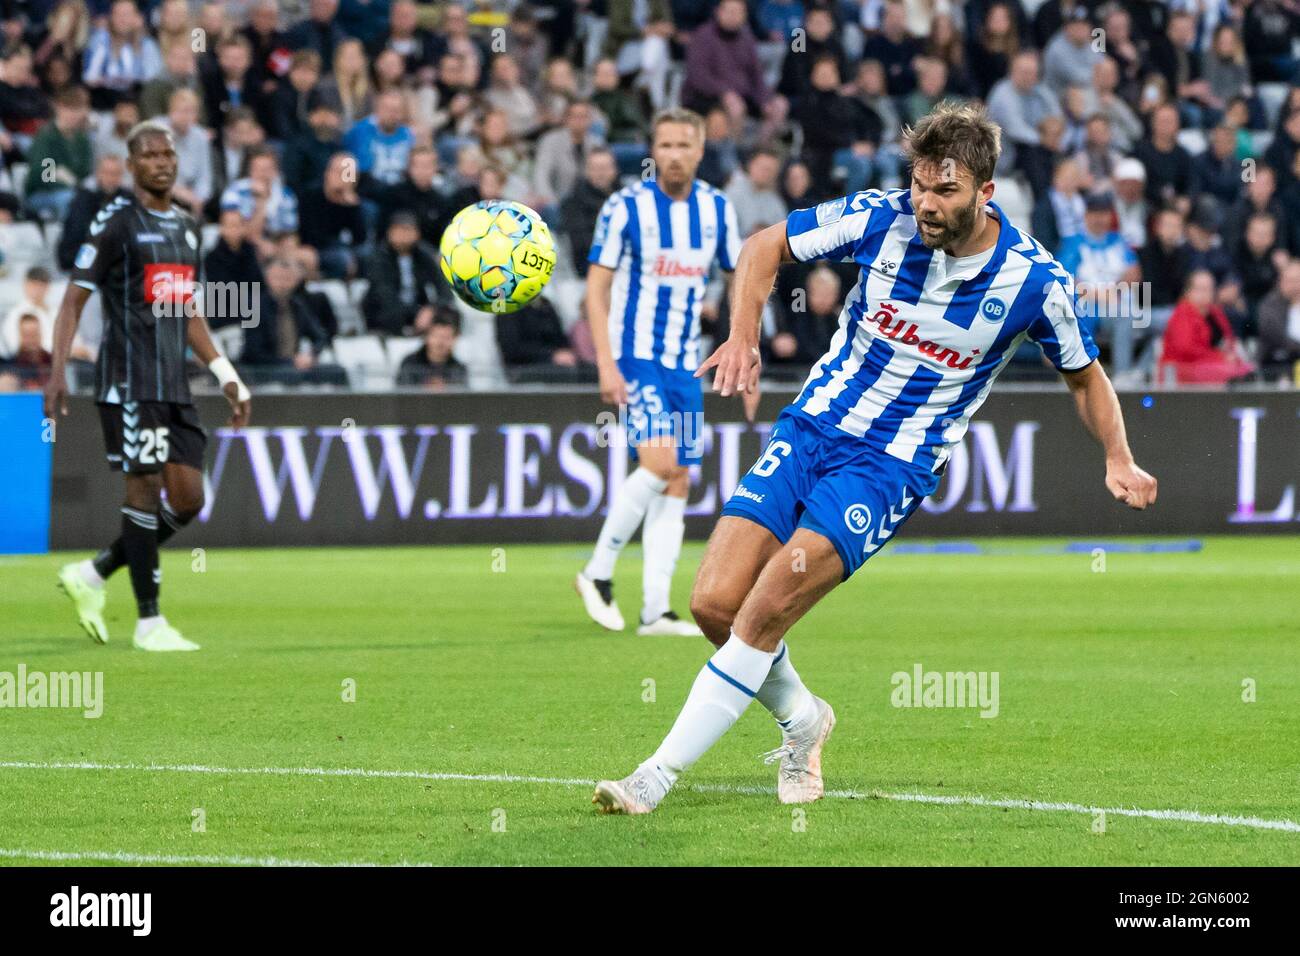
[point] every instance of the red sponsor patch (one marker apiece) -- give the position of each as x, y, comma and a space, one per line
168, 282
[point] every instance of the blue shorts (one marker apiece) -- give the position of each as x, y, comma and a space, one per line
661, 402
831, 483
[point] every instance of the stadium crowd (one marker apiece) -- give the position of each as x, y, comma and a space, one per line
1152, 147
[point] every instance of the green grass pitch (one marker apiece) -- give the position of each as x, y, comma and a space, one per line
1117, 689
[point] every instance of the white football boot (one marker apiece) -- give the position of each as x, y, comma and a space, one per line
87, 601
598, 598
799, 778
638, 792
669, 625
162, 637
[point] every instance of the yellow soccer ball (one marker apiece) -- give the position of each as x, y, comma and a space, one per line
497, 255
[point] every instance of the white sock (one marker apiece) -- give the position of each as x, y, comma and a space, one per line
784, 694
625, 515
89, 574
720, 694
661, 540
146, 624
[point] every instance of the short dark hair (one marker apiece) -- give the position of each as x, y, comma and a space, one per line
956, 131
141, 130
38, 274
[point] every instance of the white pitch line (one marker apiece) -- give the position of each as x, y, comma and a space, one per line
1181, 816
170, 859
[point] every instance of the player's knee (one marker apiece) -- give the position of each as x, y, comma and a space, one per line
713, 613
144, 492
679, 481
185, 508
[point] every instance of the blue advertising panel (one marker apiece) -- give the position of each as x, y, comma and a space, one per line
25, 460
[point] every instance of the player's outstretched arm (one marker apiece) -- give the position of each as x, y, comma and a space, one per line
65, 330
236, 392
600, 279
737, 360
1098, 406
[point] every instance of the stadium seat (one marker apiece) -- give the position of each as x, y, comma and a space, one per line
364, 359
1272, 96
345, 309
230, 340
1192, 140
1013, 195
566, 295
399, 348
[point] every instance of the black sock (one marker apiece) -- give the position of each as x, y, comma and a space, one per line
114, 556
140, 548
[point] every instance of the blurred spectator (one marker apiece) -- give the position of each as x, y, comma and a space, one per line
722, 67
231, 84
1125, 125
269, 53
120, 57
1070, 57
432, 366
1199, 346
581, 207
31, 360
797, 186
1129, 182
308, 152
269, 208
1281, 153
193, 151
1217, 171
349, 82
1106, 272
1098, 157
840, 132
230, 153
403, 281
108, 131
1127, 50
931, 87
721, 152
232, 264
820, 40
626, 126
110, 173
294, 95
180, 72
418, 48
1257, 264
507, 93
1175, 61
527, 46
755, 195
332, 222
381, 144
1058, 215
1166, 262
1268, 30
561, 153
292, 330
365, 19
1224, 67
1260, 195
894, 49
319, 32
59, 158
1019, 103
173, 27
1206, 245
637, 39
1170, 175
36, 289
996, 40
69, 32
421, 192
805, 332
1279, 326
24, 107
534, 347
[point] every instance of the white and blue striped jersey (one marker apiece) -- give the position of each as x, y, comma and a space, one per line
923, 335
662, 250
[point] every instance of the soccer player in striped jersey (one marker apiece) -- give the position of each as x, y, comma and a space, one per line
948, 290
654, 246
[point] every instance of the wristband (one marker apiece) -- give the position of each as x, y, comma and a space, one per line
225, 373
